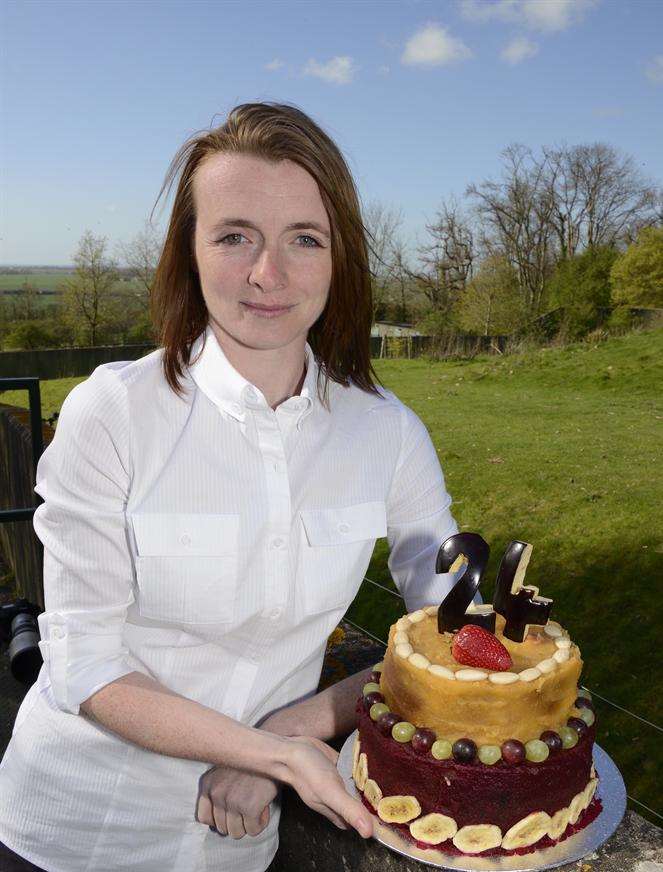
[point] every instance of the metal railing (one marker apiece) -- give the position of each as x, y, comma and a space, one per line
31, 385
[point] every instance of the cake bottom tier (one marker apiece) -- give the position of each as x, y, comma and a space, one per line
501, 806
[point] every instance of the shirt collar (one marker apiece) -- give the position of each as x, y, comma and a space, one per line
226, 388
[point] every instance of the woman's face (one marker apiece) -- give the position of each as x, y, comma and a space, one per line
262, 249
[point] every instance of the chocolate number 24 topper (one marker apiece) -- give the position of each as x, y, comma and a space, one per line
519, 604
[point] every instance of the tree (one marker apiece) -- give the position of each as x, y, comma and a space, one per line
584, 279
29, 334
491, 303
26, 307
517, 222
597, 196
141, 257
447, 261
637, 276
382, 224
88, 295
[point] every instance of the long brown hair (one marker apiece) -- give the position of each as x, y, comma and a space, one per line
340, 338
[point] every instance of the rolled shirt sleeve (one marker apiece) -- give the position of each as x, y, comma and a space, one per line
84, 477
419, 517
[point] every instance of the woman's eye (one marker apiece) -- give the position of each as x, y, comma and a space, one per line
231, 239
310, 240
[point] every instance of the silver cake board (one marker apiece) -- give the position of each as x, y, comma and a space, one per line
611, 791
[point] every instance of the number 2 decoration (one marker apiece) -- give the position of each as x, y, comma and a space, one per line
519, 604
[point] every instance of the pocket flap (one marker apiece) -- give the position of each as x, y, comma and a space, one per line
346, 524
179, 535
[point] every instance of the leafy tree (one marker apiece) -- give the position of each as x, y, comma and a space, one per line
29, 334
88, 294
637, 276
491, 303
581, 285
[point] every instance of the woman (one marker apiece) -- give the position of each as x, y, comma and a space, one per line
210, 511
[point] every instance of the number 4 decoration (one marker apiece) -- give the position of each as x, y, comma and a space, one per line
519, 604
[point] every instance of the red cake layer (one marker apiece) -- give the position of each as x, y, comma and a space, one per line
473, 793
589, 814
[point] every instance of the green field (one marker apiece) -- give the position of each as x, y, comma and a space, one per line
48, 281
561, 448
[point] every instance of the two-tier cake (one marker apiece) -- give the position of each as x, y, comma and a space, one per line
473, 735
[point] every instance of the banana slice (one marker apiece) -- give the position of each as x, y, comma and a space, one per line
476, 838
558, 823
362, 772
399, 809
527, 831
372, 792
576, 807
433, 828
356, 748
590, 790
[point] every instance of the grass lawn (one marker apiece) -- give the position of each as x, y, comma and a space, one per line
561, 448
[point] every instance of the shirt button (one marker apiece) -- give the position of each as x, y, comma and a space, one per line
185, 540
275, 614
344, 528
277, 543
58, 633
251, 395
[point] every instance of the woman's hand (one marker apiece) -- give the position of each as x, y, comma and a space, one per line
311, 771
236, 803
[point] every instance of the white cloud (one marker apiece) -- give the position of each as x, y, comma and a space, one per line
433, 46
339, 70
655, 70
519, 49
547, 16
383, 70
276, 64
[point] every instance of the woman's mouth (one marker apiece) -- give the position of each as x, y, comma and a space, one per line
266, 311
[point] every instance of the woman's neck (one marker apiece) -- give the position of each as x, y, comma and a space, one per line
278, 372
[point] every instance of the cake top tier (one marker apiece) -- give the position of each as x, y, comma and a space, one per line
416, 638
422, 681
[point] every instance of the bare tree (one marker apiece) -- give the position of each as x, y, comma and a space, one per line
382, 224
447, 258
141, 256
87, 296
517, 222
598, 196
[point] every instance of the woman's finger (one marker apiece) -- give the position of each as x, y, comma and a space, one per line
255, 825
204, 810
235, 825
219, 816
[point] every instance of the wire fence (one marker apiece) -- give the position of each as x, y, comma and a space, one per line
593, 692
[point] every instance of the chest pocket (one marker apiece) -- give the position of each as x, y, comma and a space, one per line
336, 552
186, 566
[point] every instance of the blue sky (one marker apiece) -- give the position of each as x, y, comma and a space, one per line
421, 96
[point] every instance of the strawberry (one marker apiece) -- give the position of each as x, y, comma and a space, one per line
474, 646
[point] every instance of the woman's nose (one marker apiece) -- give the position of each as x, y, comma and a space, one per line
267, 271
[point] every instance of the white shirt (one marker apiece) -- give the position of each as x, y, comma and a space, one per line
212, 543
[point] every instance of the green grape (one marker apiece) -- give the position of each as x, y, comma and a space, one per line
371, 687
403, 731
584, 693
489, 754
377, 709
568, 736
441, 749
588, 716
536, 751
